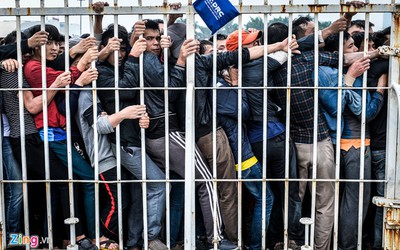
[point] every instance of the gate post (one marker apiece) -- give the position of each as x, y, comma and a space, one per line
391, 201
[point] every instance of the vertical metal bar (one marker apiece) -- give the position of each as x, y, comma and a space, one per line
166, 110
46, 136
265, 138
69, 144
392, 188
190, 239
96, 145
214, 139
143, 148
118, 131
362, 149
287, 129
393, 110
315, 131
22, 124
240, 183
3, 217
338, 136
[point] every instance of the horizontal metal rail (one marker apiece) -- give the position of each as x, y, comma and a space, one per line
244, 9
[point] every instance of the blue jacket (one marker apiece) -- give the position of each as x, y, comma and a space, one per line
227, 109
351, 100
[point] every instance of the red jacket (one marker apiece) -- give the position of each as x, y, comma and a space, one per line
33, 74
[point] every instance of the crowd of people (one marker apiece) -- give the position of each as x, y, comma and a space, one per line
263, 134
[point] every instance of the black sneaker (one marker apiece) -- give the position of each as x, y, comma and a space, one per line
201, 243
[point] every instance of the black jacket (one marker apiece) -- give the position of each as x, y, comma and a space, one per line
129, 79
253, 76
10, 50
153, 71
203, 76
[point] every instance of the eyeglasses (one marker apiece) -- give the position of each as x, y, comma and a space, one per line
151, 38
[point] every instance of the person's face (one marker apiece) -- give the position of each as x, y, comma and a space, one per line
62, 48
371, 31
309, 28
254, 43
221, 45
355, 29
26, 57
121, 55
153, 41
52, 48
371, 46
349, 46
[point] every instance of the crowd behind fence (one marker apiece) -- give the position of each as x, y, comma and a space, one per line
144, 137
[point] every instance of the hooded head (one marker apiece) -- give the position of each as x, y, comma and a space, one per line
177, 32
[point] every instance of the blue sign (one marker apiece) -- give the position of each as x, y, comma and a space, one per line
215, 13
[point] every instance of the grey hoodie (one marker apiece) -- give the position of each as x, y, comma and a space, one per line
84, 119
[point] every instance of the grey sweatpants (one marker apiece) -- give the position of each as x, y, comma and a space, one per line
156, 150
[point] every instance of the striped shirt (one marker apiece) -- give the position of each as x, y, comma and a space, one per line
11, 104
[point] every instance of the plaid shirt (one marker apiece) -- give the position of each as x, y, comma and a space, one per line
302, 100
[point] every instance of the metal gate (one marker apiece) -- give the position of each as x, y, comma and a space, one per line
391, 201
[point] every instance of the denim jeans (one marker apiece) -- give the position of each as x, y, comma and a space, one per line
135, 215
255, 188
177, 201
84, 171
276, 169
378, 171
13, 191
131, 159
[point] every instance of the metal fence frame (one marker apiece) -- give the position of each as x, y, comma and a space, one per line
392, 161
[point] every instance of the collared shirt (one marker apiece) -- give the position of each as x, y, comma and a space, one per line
302, 100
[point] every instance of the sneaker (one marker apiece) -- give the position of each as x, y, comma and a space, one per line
279, 246
157, 245
224, 245
86, 244
178, 247
293, 245
201, 243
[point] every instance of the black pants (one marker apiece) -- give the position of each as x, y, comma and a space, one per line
109, 211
